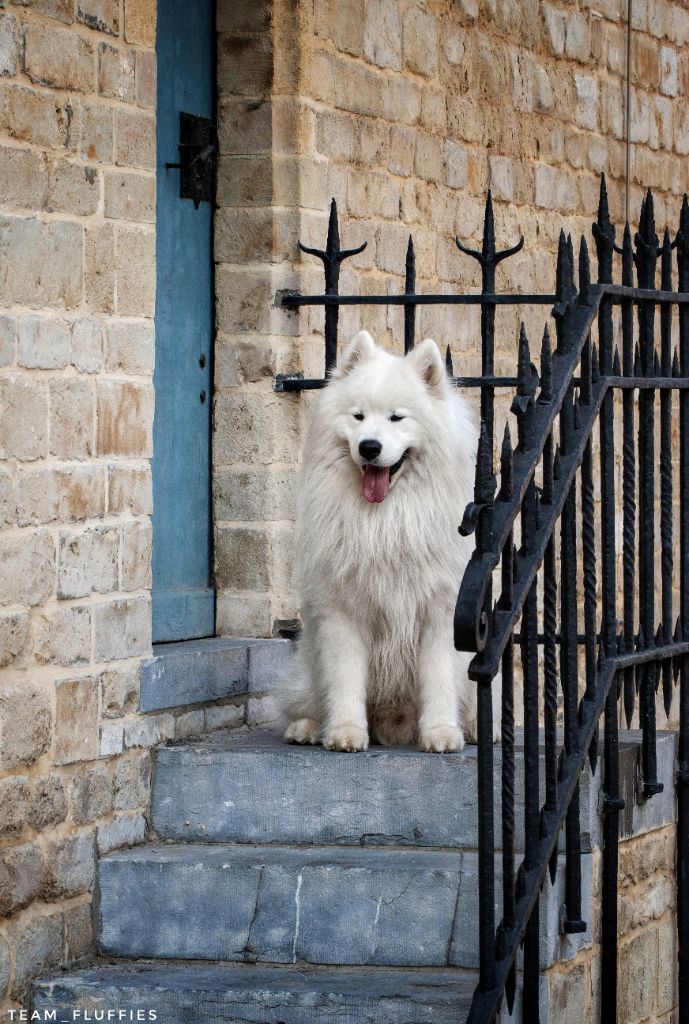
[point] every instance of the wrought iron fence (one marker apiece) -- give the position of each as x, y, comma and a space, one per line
514, 604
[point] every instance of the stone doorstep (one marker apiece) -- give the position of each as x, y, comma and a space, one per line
183, 993
325, 905
254, 788
198, 671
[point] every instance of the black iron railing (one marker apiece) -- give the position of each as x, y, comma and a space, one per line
545, 562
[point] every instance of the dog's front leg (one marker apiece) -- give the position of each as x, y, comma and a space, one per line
439, 729
344, 664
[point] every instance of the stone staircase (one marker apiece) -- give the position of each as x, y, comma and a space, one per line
287, 884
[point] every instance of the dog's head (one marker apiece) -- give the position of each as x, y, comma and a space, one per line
388, 409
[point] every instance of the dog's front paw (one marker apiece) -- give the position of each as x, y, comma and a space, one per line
441, 739
346, 737
303, 730
471, 732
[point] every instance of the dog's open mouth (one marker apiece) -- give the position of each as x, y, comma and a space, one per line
375, 482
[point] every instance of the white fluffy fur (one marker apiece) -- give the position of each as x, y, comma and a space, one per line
378, 581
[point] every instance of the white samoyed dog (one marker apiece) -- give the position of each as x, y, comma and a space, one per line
387, 470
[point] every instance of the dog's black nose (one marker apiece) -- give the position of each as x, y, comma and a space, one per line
370, 449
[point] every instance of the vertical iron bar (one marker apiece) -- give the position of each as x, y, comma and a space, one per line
484, 494
646, 258
569, 673
409, 289
683, 751
628, 474
507, 722
604, 234
666, 466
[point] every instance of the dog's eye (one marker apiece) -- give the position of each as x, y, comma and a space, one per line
358, 415
395, 418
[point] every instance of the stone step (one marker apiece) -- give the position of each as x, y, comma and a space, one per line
320, 905
194, 671
245, 994
255, 788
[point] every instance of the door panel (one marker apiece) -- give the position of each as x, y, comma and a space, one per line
183, 596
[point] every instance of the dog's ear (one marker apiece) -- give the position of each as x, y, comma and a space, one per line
428, 363
361, 347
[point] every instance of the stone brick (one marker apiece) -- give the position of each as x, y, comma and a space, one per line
73, 493
122, 629
116, 73
79, 938
578, 36
76, 720
130, 490
9, 53
556, 27
125, 418
401, 150
37, 944
130, 347
111, 739
63, 636
71, 866
148, 730
254, 494
73, 189
87, 345
645, 62
61, 10
58, 57
501, 178
99, 267
245, 64
374, 194
88, 562
40, 118
92, 795
42, 344
8, 334
136, 556
669, 80
135, 272
24, 725
14, 792
71, 418
28, 561
23, 176
136, 136
22, 873
130, 197
242, 559
243, 16
667, 973
456, 165
244, 236
48, 803
567, 995
40, 262
241, 360
146, 79
140, 22
7, 498
637, 976
420, 32
383, 34
127, 830
119, 691
225, 716
133, 782
97, 133
553, 189
190, 724
102, 15
244, 299
269, 431
428, 157
14, 631
243, 614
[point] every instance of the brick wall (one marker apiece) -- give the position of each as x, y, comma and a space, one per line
406, 112
77, 283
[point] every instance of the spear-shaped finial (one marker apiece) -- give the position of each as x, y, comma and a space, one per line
604, 235
506, 467
682, 242
584, 272
616, 365
448, 362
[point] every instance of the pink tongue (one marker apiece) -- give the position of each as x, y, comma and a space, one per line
375, 483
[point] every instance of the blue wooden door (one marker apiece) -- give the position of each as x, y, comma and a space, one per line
183, 595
